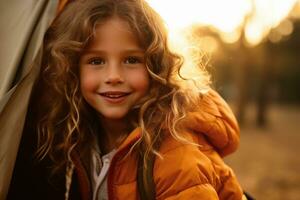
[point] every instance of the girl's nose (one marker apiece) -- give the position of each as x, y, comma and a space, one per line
114, 75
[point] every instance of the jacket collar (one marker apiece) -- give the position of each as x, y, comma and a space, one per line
131, 138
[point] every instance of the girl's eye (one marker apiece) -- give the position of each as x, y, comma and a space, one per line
96, 61
133, 60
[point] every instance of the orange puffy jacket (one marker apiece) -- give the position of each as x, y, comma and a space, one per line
186, 171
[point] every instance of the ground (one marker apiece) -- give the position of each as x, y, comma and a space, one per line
267, 163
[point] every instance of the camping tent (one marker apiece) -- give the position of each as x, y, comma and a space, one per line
23, 26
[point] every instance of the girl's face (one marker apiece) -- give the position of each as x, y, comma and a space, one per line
113, 76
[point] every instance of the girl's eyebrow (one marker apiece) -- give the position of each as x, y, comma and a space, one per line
134, 51
125, 51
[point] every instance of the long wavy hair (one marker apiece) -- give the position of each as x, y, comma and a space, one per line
66, 121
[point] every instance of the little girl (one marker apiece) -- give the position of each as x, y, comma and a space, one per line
109, 100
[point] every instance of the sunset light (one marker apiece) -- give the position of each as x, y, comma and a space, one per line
226, 17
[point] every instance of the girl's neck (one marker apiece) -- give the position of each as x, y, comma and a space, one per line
114, 133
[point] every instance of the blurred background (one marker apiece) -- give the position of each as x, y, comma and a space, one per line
250, 47
252, 50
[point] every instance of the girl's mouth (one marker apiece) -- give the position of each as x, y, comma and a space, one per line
114, 96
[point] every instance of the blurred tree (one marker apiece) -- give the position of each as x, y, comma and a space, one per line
265, 73
287, 66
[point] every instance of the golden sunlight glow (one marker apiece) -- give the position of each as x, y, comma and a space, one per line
230, 18
267, 15
219, 13
227, 16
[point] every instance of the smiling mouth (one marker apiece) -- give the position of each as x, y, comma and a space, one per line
114, 95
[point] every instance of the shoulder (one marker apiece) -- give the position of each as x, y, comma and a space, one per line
188, 169
183, 166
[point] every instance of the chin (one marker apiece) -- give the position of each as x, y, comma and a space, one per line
114, 116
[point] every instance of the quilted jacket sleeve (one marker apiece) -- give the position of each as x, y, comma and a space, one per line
184, 173
191, 172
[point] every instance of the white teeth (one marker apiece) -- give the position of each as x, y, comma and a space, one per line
114, 95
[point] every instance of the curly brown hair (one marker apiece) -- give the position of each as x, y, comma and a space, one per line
66, 121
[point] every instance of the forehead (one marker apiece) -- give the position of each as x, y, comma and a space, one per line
114, 32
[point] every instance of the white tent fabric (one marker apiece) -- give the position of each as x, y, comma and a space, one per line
23, 26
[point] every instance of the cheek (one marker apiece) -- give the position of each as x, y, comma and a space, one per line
88, 82
141, 81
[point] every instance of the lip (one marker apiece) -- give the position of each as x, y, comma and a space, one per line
114, 97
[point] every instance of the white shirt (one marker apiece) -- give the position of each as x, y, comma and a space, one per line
99, 169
